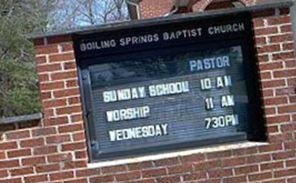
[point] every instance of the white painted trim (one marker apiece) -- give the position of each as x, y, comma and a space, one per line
160, 156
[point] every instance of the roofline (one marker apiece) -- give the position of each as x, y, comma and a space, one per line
172, 18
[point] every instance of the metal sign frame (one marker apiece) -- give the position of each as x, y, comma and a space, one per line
256, 131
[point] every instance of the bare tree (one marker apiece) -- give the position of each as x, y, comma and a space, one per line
76, 13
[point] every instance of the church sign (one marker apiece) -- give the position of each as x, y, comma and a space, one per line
169, 84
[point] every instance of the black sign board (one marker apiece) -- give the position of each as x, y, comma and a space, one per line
170, 85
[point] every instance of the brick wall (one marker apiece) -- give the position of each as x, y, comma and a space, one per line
55, 150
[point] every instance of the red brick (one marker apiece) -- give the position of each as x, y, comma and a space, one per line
36, 178
45, 150
68, 110
285, 73
278, 119
18, 153
45, 131
267, 93
8, 145
291, 180
167, 162
157, 172
292, 81
193, 158
3, 173
287, 109
46, 49
218, 155
81, 155
79, 136
76, 118
275, 101
87, 172
272, 129
235, 179
283, 56
71, 128
260, 41
75, 164
69, 65
140, 165
46, 95
66, 93
273, 83
21, 171
288, 127
260, 176
57, 139
73, 146
180, 169
48, 113
265, 75
65, 47
220, 173
280, 137
74, 100
233, 162
102, 178
271, 166
59, 158
55, 121
285, 91
49, 68
285, 172
47, 168
270, 66
258, 22
128, 176
270, 110
18, 134
283, 155
43, 77
51, 86
286, 28
12, 180
72, 83
169, 179
246, 169
64, 75
266, 31
61, 57
54, 103
9, 164
61, 175
291, 163
263, 58
33, 160
2, 155
279, 20
281, 38
288, 46
83, 180
40, 59
32, 142
195, 176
